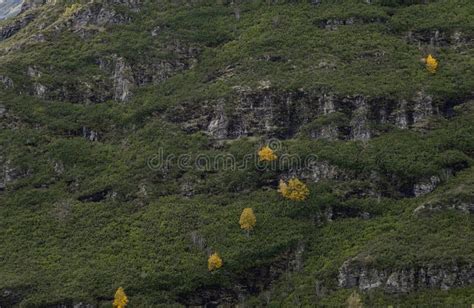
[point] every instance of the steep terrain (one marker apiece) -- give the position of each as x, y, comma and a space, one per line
95, 95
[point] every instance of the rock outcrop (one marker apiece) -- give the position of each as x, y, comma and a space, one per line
438, 38
359, 124
323, 170
6, 82
117, 80
9, 8
283, 115
126, 77
430, 207
10, 297
32, 4
426, 186
254, 281
334, 23
365, 276
7, 120
90, 134
10, 173
10, 29
123, 80
96, 14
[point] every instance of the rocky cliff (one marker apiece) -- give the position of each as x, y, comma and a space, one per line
354, 274
9, 8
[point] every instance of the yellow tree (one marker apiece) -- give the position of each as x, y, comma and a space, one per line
354, 301
214, 262
120, 299
431, 64
247, 220
266, 154
295, 190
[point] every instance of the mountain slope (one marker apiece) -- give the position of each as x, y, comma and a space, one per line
95, 95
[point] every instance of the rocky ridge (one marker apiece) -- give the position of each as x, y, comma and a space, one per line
364, 276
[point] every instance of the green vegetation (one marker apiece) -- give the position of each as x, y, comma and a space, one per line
83, 218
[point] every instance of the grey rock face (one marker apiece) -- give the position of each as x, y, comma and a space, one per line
10, 173
2, 180
329, 132
401, 116
127, 3
322, 170
334, 23
39, 90
357, 274
360, 129
7, 121
157, 72
11, 28
126, 77
123, 80
423, 107
10, 8
32, 4
33, 72
218, 126
252, 114
11, 297
327, 103
97, 15
438, 38
6, 82
426, 187
83, 305
90, 134
267, 112
464, 207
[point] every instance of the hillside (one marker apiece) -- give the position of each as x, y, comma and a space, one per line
129, 141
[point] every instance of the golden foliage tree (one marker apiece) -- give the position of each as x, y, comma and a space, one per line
266, 154
354, 301
214, 262
431, 64
120, 299
247, 220
295, 190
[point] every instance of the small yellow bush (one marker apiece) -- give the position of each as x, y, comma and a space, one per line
247, 219
120, 299
266, 154
431, 64
214, 262
295, 190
